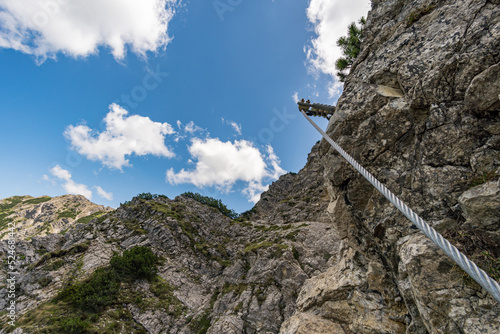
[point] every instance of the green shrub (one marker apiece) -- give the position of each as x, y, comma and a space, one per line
74, 325
4, 221
212, 202
44, 281
86, 219
296, 254
94, 293
38, 200
54, 265
350, 46
11, 202
201, 324
136, 263
101, 288
149, 196
67, 214
144, 196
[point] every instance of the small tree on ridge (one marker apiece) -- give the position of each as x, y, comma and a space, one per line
350, 45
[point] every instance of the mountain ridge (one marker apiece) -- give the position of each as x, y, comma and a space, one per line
42, 215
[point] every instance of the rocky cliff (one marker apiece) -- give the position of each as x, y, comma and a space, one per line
436, 145
323, 251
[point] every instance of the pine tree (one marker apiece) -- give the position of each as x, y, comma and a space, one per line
350, 45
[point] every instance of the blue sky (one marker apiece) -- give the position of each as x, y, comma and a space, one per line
112, 98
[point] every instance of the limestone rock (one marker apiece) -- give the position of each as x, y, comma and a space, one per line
481, 205
482, 91
306, 323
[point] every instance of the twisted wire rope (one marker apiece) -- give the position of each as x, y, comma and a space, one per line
479, 275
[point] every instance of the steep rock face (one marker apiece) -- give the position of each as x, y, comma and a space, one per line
429, 146
295, 197
43, 215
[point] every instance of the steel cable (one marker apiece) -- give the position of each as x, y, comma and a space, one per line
479, 275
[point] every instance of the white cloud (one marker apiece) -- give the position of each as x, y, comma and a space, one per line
124, 135
295, 97
222, 164
68, 184
331, 19
236, 127
61, 173
189, 130
275, 162
104, 194
233, 124
254, 190
192, 128
78, 28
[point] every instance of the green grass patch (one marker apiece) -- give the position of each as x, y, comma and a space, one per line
166, 298
292, 235
54, 265
38, 200
87, 219
289, 202
11, 202
44, 281
134, 226
238, 289
238, 307
201, 324
67, 214
4, 221
175, 210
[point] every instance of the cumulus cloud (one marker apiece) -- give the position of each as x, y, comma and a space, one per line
123, 136
295, 97
78, 28
104, 194
330, 19
222, 164
68, 184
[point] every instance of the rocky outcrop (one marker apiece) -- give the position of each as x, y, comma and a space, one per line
481, 205
43, 215
295, 197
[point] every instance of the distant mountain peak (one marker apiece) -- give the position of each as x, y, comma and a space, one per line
39, 216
